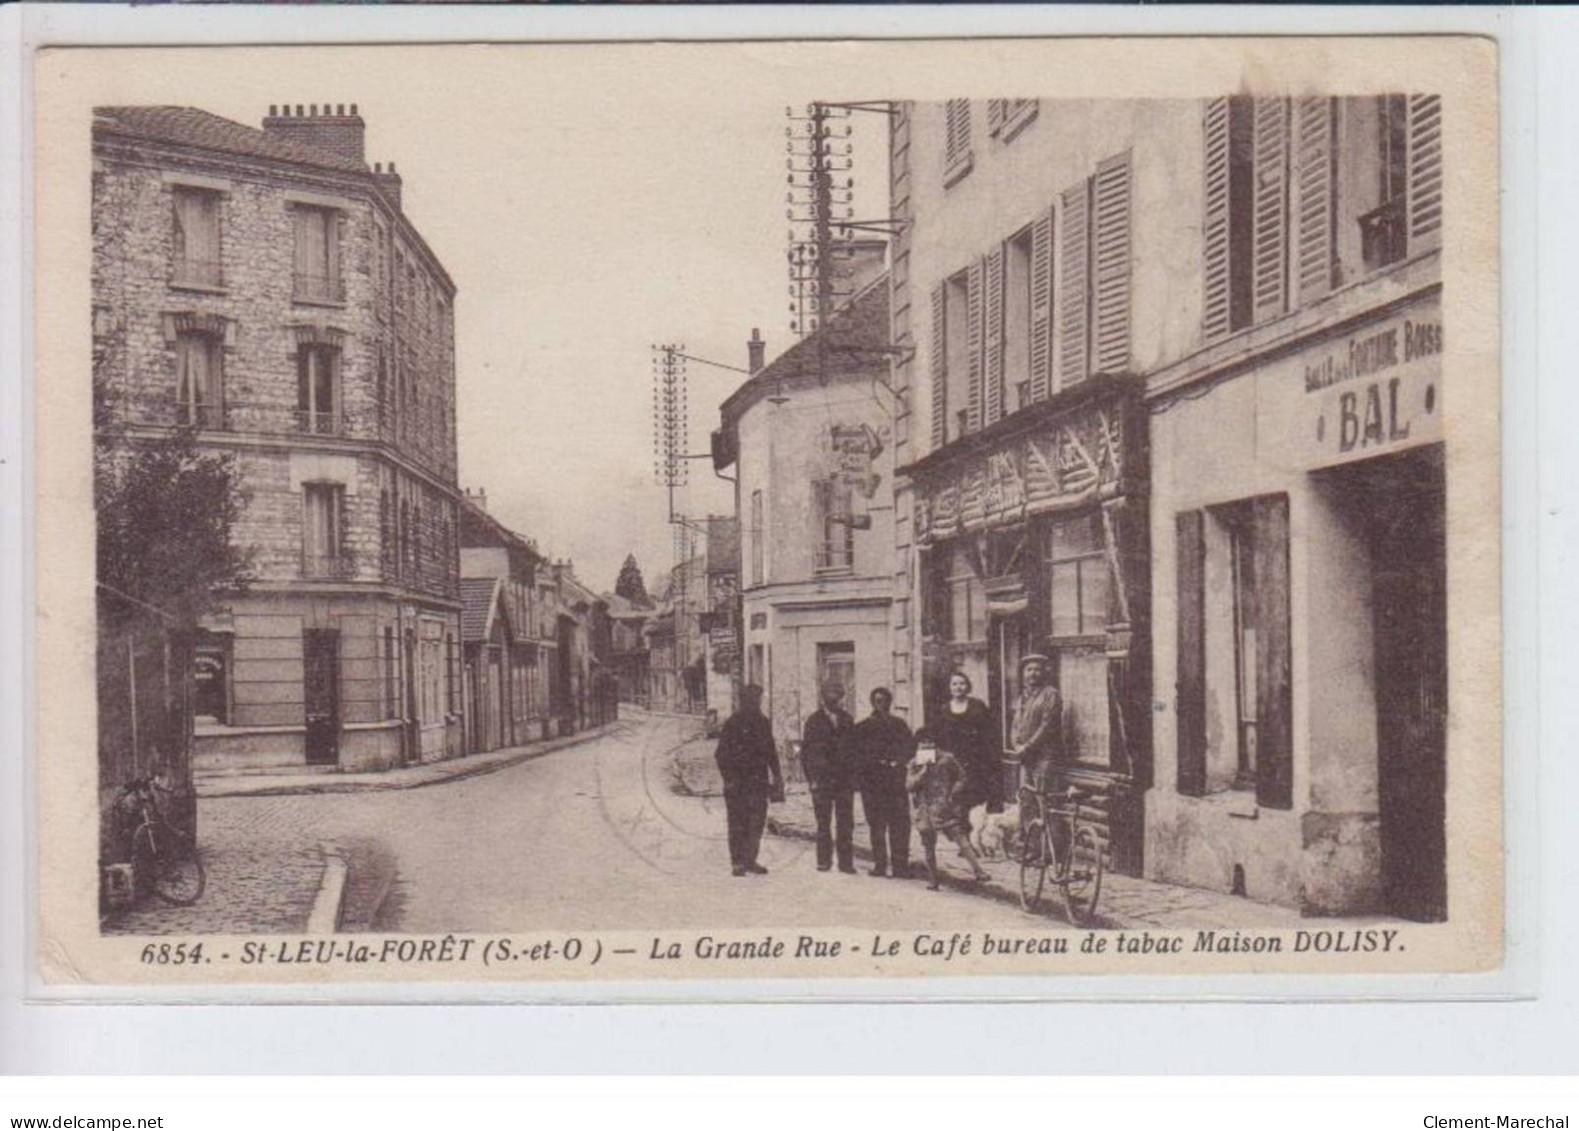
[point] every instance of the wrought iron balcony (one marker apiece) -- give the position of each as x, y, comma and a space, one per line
327, 567
206, 273
319, 423
320, 288
206, 416
1382, 234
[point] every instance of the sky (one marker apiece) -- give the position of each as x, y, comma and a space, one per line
588, 204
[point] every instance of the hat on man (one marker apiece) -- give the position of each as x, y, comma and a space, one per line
1034, 657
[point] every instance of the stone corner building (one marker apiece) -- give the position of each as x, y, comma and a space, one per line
264, 287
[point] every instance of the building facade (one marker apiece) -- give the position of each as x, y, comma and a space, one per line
629, 649
1298, 515
1170, 414
1034, 283
507, 640
811, 438
264, 288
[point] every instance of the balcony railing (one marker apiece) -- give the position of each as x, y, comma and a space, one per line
327, 567
207, 273
320, 288
835, 558
1382, 234
319, 423
207, 416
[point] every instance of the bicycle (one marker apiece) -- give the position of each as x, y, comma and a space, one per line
164, 857
1055, 833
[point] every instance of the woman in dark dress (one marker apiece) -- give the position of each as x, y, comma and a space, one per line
965, 726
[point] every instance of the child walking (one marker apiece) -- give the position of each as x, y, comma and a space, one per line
937, 786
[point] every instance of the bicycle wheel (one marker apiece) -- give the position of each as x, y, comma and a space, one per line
1035, 851
1083, 877
179, 878
145, 861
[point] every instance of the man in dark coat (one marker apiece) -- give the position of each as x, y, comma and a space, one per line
828, 756
884, 746
748, 759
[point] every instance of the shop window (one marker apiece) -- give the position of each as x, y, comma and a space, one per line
966, 617
199, 380
317, 255
1077, 578
211, 680
196, 245
323, 536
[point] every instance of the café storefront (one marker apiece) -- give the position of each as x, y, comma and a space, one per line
1033, 537
1298, 523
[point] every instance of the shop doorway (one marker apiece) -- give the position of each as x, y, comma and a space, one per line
1404, 506
321, 694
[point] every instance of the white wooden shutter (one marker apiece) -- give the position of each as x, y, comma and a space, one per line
939, 370
1271, 208
993, 363
1074, 322
1315, 184
1216, 317
1111, 194
1042, 306
995, 115
973, 344
1425, 171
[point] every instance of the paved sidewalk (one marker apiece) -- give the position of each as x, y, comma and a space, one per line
1126, 902
274, 783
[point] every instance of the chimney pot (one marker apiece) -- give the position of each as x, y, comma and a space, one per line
756, 350
353, 109
273, 109
299, 113
339, 109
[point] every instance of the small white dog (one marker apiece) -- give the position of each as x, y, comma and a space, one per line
993, 835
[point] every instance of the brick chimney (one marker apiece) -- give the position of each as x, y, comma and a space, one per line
477, 498
324, 127
755, 350
388, 182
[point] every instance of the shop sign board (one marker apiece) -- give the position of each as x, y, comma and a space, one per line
1373, 391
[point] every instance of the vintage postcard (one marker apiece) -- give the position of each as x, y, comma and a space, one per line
632, 512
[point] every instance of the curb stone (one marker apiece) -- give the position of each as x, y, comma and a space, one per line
324, 918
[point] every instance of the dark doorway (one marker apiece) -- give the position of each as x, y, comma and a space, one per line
1404, 507
413, 723
321, 688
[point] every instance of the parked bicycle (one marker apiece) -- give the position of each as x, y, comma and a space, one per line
1057, 837
164, 857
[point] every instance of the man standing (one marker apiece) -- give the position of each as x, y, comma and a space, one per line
749, 762
828, 757
884, 745
1037, 734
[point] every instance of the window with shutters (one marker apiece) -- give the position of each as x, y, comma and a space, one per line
1006, 117
323, 536
200, 400
318, 389
1015, 381
957, 156
1094, 313
956, 355
317, 255
1228, 227
1384, 229
196, 245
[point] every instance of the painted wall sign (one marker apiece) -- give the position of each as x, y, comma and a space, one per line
1374, 391
1068, 463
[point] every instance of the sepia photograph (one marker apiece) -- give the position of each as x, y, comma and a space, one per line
639, 511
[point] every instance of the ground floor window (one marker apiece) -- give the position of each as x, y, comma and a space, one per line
211, 679
1234, 686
